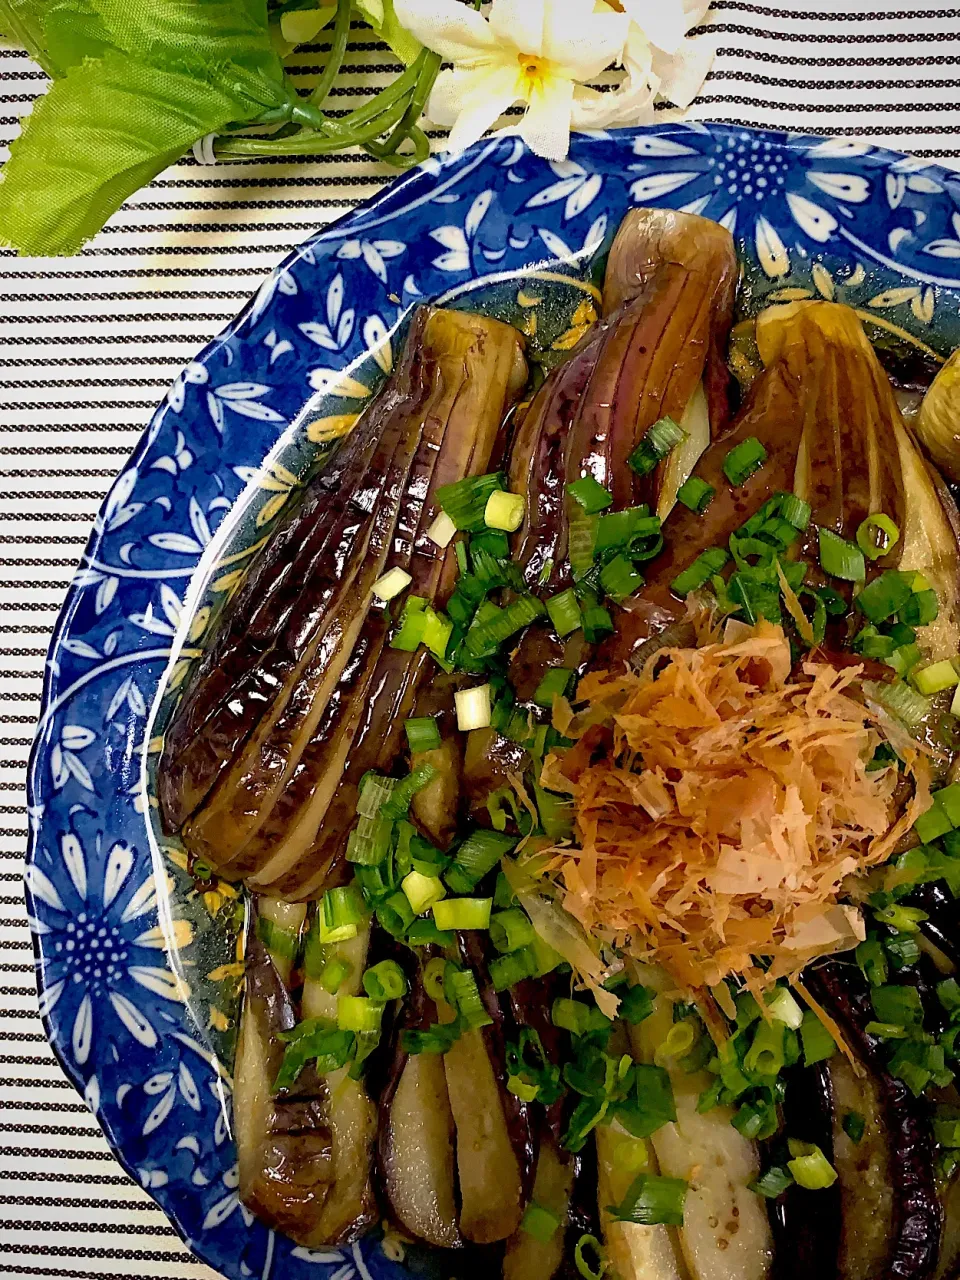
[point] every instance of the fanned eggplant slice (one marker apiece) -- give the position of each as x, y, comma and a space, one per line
900, 1161
255, 752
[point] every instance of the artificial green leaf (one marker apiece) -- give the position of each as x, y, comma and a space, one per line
380, 15
99, 134
22, 22
73, 31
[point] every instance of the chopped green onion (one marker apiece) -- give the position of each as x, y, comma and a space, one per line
580, 1258
872, 961
652, 1201
743, 460
333, 975
810, 1167
854, 1125
358, 1013
341, 910
433, 976
493, 542
885, 595
795, 510
765, 1057
409, 636
903, 950
466, 500
510, 930
504, 511
590, 494
948, 798
506, 971
818, 1043
478, 855
900, 699
442, 531
462, 913
657, 442
279, 941
397, 806
460, 551
696, 494
422, 891
437, 629
464, 995
677, 1044
700, 572
783, 1008
423, 733
391, 584
555, 683
877, 535
896, 1004
757, 1121
564, 612
773, 1183
473, 707
396, 914
933, 823
636, 1004
576, 1017
581, 541
842, 559
437, 1039
619, 579
492, 628
946, 1126
906, 919
920, 609
369, 842
314, 1039
385, 981
538, 1221
633, 528
935, 678
597, 623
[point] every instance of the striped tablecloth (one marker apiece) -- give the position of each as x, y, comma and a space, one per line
88, 346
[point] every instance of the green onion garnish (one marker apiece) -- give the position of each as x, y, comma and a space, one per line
900, 699
395, 914
358, 1013
765, 1057
783, 1008
590, 494
884, 596
409, 636
462, 913
576, 1017
423, 733
473, 707
795, 510
597, 623
476, 856
920, 609
506, 971
773, 1183
461, 989
564, 611
397, 806
657, 442
422, 891
538, 1221
591, 1244
897, 1004
333, 975
818, 1044
906, 919
504, 511
636, 1004
385, 981
854, 1125
437, 1039
810, 1167
634, 528
466, 500
437, 629
946, 1126
935, 678
652, 1201
743, 460
700, 572
442, 531
841, 559
877, 535
555, 683
510, 930
391, 584
491, 630
619, 579
492, 542
696, 494
872, 961
341, 910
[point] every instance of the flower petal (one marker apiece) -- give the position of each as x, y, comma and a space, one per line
455, 31
663, 22
520, 24
546, 126
682, 74
471, 101
630, 103
581, 42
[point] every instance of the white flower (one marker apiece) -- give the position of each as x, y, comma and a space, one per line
536, 52
660, 55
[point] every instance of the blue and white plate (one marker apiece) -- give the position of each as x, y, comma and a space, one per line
138, 969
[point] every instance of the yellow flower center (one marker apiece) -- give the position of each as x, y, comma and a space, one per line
533, 69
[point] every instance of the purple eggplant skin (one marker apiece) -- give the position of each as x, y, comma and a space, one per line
806, 1228
520, 1120
917, 1225
530, 1003
942, 925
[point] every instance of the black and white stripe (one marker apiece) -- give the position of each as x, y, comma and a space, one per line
87, 347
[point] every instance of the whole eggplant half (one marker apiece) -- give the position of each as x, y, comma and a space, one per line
254, 755
892, 1217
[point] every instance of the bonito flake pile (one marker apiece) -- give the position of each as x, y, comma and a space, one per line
721, 800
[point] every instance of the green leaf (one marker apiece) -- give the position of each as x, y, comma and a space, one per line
380, 15
103, 131
22, 22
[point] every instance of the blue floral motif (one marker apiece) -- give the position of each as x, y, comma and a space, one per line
240, 426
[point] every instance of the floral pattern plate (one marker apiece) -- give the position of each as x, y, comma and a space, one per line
138, 967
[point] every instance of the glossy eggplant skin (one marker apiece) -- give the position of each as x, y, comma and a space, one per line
806, 1228
917, 1219
298, 679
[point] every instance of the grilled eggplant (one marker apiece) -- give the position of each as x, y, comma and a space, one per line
298, 675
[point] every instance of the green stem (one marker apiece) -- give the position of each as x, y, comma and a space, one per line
338, 48
311, 141
404, 130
